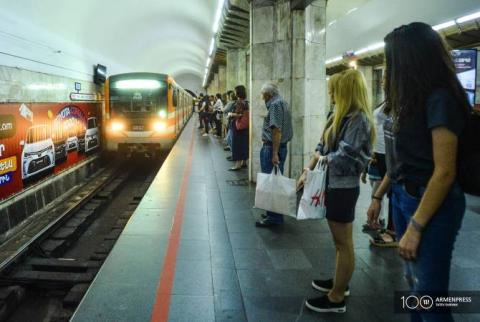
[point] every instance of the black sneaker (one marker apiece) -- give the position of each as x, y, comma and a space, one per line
326, 286
323, 305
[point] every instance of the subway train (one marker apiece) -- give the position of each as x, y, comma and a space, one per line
144, 113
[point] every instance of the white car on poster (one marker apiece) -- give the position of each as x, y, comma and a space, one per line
92, 135
38, 153
72, 143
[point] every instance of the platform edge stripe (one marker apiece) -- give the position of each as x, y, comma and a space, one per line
162, 301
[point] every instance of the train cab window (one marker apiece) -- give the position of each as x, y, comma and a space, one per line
139, 100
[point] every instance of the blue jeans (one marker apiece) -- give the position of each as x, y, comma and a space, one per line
266, 164
430, 272
228, 139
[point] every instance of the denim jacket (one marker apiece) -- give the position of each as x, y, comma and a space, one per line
351, 154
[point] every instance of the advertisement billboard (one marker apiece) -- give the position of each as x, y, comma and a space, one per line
41, 139
466, 65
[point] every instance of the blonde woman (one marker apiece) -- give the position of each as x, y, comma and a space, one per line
345, 146
332, 84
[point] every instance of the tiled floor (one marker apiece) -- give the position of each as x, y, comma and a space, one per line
229, 270
272, 269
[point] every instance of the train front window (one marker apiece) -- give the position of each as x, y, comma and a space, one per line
138, 96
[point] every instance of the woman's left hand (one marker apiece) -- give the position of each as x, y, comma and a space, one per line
409, 243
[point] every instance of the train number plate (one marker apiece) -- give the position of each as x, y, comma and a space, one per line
138, 127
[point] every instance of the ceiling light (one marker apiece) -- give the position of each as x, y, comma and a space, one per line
333, 60
444, 25
218, 15
361, 51
47, 86
212, 46
376, 46
351, 10
208, 62
469, 17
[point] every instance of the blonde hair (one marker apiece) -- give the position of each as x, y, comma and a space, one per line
333, 82
351, 95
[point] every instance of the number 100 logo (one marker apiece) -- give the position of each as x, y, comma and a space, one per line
413, 302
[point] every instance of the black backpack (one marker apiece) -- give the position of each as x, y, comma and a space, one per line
468, 173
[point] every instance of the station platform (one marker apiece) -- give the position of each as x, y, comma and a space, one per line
191, 252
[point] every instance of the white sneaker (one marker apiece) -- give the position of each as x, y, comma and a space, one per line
205, 134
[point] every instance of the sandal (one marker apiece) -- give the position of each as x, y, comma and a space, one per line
368, 227
383, 239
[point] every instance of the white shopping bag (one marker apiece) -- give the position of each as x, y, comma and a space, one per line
276, 193
312, 204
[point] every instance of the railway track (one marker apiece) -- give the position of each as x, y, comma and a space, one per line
46, 268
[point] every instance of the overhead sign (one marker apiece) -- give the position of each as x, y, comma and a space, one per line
83, 97
466, 65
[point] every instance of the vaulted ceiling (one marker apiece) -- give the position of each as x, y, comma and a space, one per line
173, 36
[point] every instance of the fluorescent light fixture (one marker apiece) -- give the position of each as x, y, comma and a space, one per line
56, 86
218, 15
138, 84
212, 46
444, 25
376, 46
208, 62
469, 17
351, 10
333, 60
361, 51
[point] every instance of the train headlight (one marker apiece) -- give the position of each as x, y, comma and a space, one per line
162, 114
159, 126
117, 126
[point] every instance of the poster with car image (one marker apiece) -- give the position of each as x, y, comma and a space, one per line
466, 66
41, 139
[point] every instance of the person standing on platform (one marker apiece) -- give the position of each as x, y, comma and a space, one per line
217, 114
346, 147
428, 114
240, 130
229, 108
277, 131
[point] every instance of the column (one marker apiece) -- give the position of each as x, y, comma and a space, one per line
236, 68
309, 83
287, 47
232, 68
222, 79
242, 78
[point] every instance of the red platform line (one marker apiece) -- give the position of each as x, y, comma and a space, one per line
162, 302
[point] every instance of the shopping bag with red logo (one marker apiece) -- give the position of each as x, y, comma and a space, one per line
276, 193
312, 204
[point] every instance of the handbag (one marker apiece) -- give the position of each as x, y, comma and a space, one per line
312, 204
243, 122
276, 193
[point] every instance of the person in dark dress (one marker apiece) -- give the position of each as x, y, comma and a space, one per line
240, 130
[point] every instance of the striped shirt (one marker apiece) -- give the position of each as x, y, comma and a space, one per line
278, 117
